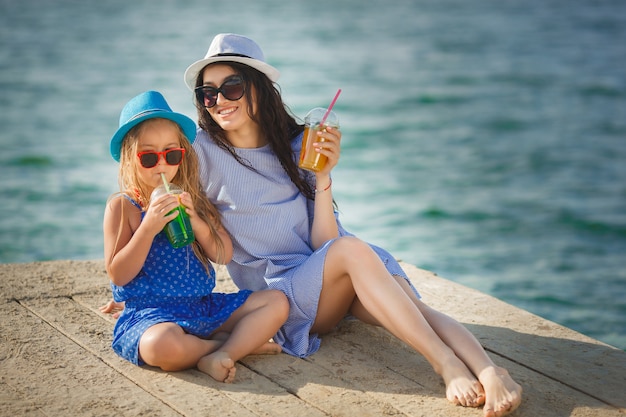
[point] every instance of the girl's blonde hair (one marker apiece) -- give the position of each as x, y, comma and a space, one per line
187, 177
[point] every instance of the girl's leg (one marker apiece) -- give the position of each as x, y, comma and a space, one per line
167, 346
250, 327
268, 348
356, 279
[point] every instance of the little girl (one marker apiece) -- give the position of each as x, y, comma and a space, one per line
172, 318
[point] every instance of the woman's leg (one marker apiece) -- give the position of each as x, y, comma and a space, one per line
167, 346
250, 327
355, 279
353, 268
503, 394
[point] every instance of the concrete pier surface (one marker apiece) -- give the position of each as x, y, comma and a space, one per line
56, 360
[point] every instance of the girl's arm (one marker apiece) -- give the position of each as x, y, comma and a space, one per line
127, 239
324, 223
203, 235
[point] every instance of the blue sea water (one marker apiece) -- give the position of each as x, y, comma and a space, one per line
485, 140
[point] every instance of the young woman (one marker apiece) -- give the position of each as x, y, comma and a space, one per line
172, 318
287, 236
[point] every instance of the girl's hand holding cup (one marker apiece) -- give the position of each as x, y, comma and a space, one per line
187, 203
160, 212
168, 203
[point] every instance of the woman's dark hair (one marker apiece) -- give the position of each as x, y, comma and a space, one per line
267, 110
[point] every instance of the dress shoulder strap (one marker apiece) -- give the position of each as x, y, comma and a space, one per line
133, 202
130, 199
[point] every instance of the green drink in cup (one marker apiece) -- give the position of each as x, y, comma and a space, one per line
178, 231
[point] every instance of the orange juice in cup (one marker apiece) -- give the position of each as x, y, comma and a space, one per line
309, 158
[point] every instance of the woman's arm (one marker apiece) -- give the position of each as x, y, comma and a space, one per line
324, 223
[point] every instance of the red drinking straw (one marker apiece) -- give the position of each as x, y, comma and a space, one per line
332, 103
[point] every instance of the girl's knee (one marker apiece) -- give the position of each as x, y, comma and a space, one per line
274, 299
160, 344
279, 302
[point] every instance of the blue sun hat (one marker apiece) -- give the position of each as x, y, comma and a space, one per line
148, 105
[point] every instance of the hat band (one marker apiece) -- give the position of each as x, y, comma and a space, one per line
232, 54
143, 113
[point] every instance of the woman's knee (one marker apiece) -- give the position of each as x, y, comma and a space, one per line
350, 247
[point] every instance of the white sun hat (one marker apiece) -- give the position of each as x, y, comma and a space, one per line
229, 47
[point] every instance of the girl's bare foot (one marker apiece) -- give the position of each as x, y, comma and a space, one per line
219, 366
503, 394
462, 387
267, 348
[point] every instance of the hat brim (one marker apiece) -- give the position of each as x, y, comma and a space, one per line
187, 125
191, 74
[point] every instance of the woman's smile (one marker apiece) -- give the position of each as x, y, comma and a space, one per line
227, 111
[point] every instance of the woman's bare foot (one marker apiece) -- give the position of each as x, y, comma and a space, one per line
503, 394
462, 387
219, 366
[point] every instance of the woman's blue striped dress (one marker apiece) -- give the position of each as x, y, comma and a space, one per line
269, 221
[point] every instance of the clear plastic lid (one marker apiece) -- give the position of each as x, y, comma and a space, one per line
314, 116
160, 190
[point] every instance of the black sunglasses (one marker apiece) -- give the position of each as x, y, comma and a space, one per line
232, 89
149, 159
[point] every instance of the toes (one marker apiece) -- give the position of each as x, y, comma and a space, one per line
229, 366
499, 411
230, 377
475, 400
504, 409
469, 399
488, 412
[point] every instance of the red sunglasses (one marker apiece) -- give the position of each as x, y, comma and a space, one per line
149, 159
